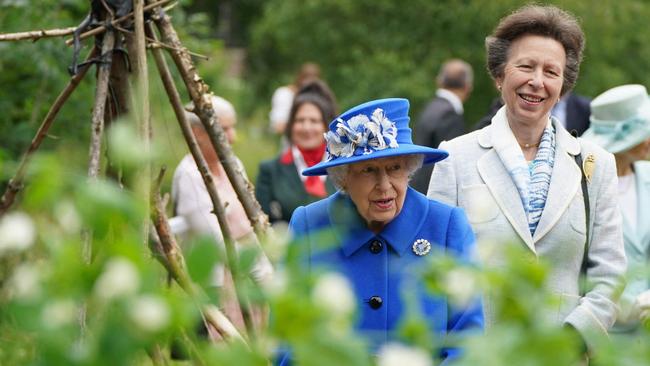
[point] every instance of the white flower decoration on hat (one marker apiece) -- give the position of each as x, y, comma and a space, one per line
361, 135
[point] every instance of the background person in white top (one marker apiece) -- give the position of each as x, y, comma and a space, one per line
193, 206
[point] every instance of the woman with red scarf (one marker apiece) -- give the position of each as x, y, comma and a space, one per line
280, 186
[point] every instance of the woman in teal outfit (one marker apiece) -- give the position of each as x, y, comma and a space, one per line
620, 123
280, 188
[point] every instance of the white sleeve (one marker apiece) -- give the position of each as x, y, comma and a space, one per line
281, 106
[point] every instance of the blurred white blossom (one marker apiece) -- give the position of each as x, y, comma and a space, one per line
277, 242
397, 354
461, 286
149, 313
58, 313
25, 282
333, 292
17, 232
277, 284
120, 278
79, 351
68, 217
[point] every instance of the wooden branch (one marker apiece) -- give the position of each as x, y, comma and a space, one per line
155, 43
198, 91
35, 35
175, 262
157, 356
208, 179
16, 183
102, 29
141, 107
167, 251
101, 93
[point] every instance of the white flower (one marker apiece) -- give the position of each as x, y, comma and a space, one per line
59, 313
79, 351
373, 134
17, 232
149, 313
25, 282
277, 284
120, 278
396, 354
333, 292
68, 217
461, 286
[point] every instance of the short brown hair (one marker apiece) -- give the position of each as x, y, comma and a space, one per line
315, 92
547, 21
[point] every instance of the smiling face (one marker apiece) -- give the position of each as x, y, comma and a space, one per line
378, 189
532, 79
308, 127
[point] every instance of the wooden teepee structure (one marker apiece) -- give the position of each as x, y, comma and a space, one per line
144, 25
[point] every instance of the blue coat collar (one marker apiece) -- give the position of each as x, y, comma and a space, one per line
352, 232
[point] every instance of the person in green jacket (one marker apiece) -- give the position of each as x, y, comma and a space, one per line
280, 186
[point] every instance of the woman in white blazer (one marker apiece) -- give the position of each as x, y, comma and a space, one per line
520, 182
620, 123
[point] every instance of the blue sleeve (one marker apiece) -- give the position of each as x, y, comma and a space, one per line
461, 244
298, 222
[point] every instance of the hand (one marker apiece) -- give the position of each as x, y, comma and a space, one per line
642, 303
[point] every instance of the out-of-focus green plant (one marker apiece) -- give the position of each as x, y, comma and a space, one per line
129, 310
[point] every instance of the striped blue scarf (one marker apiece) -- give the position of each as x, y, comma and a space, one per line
540, 177
533, 180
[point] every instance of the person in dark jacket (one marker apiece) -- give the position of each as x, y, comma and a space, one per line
442, 118
280, 187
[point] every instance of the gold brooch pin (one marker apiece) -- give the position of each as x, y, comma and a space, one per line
588, 166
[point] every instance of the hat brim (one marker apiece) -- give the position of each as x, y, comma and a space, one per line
616, 146
430, 156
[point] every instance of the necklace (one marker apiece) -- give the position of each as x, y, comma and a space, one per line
528, 146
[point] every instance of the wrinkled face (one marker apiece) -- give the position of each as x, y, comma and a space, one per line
638, 152
532, 79
378, 188
308, 127
228, 125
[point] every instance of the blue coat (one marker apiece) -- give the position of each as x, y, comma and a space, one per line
388, 273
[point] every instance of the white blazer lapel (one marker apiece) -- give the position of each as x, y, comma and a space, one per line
496, 177
565, 181
505, 194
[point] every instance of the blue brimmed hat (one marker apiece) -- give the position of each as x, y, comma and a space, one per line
372, 130
620, 118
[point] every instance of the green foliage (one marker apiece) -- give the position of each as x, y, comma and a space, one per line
367, 50
31, 83
373, 49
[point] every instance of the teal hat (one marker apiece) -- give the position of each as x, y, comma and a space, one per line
620, 118
372, 130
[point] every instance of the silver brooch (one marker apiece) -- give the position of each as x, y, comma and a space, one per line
421, 247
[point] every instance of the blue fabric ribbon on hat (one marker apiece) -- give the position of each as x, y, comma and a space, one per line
619, 130
361, 135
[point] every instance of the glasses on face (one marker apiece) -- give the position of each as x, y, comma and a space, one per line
395, 170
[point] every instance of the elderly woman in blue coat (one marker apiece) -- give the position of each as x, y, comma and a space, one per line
383, 229
620, 123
